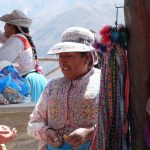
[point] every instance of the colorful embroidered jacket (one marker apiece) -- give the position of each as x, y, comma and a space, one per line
66, 105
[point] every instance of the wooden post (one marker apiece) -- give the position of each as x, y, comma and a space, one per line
137, 20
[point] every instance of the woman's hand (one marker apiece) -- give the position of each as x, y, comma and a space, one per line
80, 136
6, 135
53, 138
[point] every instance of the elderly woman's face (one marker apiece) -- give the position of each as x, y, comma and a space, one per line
9, 30
73, 65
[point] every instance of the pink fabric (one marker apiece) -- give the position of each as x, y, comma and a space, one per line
67, 105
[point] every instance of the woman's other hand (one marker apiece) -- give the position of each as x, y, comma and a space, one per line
53, 138
80, 136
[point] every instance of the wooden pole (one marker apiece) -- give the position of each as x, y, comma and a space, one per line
137, 20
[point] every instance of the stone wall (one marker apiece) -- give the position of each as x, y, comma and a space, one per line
17, 115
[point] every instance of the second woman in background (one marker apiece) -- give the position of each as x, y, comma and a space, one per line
19, 48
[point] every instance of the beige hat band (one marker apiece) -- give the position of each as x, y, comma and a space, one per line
7, 18
20, 22
80, 40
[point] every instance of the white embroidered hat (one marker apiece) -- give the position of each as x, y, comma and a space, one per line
17, 18
74, 39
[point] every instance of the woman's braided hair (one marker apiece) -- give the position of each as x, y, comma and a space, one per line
25, 31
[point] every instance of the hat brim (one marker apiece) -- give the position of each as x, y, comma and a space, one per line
70, 47
5, 18
23, 22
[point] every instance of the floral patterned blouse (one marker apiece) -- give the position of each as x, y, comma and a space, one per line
66, 105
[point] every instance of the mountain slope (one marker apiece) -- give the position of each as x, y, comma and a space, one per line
51, 32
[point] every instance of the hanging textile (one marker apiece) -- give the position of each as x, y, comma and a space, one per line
113, 128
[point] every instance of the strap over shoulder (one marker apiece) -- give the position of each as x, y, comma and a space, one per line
24, 40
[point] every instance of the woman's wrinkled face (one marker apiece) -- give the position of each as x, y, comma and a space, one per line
73, 65
9, 30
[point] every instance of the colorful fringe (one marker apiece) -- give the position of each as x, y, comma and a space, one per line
113, 128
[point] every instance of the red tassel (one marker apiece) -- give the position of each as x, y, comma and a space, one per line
105, 29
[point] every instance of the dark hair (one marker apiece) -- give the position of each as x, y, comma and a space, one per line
83, 54
100, 59
26, 31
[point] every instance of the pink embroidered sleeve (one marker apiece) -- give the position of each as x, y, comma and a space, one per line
37, 125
